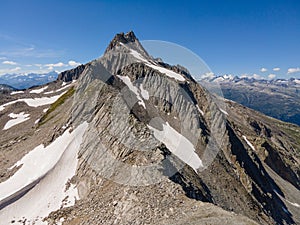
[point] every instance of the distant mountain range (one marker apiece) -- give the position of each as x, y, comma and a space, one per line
279, 98
23, 81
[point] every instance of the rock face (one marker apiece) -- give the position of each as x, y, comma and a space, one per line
159, 149
72, 74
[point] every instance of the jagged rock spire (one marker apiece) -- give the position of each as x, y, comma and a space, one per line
123, 38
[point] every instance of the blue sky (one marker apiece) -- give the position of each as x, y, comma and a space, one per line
233, 36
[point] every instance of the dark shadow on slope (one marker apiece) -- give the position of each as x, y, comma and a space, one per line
186, 177
263, 183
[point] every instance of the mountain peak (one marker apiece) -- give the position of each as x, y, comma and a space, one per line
121, 38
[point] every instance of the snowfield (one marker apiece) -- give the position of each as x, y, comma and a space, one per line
17, 119
34, 102
16, 92
44, 172
169, 73
58, 90
38, 91
178, 145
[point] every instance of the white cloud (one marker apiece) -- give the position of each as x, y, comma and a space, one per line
16, 69
255, 76
5, 71
293, 70
271, 76
59, 64
73, 63
3, 58
263, 70
9, 63
276, 69
51, 66
208, 75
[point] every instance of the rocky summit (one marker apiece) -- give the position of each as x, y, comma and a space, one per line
129, 139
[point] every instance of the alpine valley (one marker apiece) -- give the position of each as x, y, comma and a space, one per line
128, 139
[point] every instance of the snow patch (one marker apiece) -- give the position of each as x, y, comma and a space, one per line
38, 91
133, 88
17, 119
34, 102
58, 90
168, 72
178, 145
16, 92
144, 93
223, 111
200, 111
138, 55
248, 143
45, 110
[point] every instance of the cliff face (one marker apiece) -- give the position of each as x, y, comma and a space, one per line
160, 149
72, 74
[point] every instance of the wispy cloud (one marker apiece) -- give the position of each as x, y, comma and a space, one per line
13, 70
263, 70
271, 76
255, 76
14, 47
208, 75
32, 52
276, 69
293, 70
51, 66
9, 63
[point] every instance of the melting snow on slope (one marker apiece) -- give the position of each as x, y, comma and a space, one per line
223, 111
34, 102
16, 92
17, 118
37, 91
51, 168
200, 111
137, 55
169, 73
144, 92
178, 145
249, 143
58, 90
133, 88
